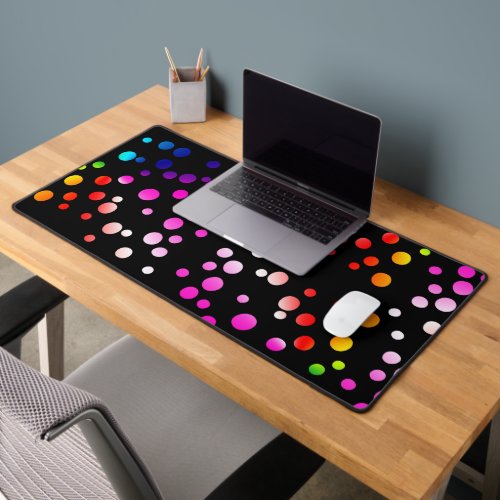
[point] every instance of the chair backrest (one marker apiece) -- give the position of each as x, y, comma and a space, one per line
69, 466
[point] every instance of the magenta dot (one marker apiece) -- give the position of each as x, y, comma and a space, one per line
212, 284
348, 384
360, 406
147, 211
201, 233
125, 179
224, 252
149, 194
462, 288
466, 271
445, 304
189, 292
435, 270
244, 321
420, 302
209, 266
145, 173
152, 238
170, 174
159, 252
206, 179
182, 272
377, 375
232, 267
435, 289
209, 319
180, 194
391, 357
187, 178
173, 223
242, 299
203, 304
175, 239
112, 228
275, 344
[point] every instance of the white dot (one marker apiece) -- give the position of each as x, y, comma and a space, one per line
397, 335
126, 233
261, 273
117, 199
280, 314
147, 269
431, 327
394, 312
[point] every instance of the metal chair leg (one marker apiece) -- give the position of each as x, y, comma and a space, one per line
51, 343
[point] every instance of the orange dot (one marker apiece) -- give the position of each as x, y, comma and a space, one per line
310, 292
354, 266
86, 216
102, 180
305, 319
340, 344
73, 180
390, 238
70, 196
43, 195
363, 243
381, 280
370, 261
63, 206
371, 321
401, 258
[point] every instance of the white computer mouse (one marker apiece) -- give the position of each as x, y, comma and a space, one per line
349, 312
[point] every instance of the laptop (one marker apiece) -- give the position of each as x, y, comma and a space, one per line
305, 184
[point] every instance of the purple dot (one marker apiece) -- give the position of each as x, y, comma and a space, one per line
420, 302
209, 266
180, 194
201, 233
348, 384
149, 194
244, 322
391, 357
145, 173
209, 319
163, 164
482, 277
242, 299
170, 174
152, 238
213, 164
232, 267
377, 375
435, 289
466, 271
206, 179
462, 288
360, 406
173, 223
125, 179
212, 284
175, 239
187, 178
159, 252
275, 344
147, 211
224, 252
445, 304
189, 292
435, 270
203, 304
182, 272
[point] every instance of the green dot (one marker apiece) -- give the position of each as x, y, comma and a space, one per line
83, 167
316, 369
98, 164
425, 251
338, 365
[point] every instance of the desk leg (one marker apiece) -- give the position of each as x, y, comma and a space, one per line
439, 494
491, 489
51, 343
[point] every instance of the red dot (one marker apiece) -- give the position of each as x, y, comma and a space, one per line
390, 238
89, 238
63, 206
363, 243
305, 319
354, 266
102, 180
97, 195
309, 292
70, 196
370, 261
333, 252
304, 343
86, 216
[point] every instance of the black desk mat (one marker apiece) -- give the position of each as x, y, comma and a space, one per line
118, 208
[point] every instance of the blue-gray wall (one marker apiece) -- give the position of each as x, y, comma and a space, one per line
429, 68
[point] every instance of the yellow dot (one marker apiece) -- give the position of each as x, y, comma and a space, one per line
73, 180
401, 258
381, 280
340, 344
371, 321
43, 195
83, 167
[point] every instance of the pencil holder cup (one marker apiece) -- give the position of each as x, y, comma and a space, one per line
188, 98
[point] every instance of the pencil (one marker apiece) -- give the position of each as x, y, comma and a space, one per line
172, 65
198, 65
205, 71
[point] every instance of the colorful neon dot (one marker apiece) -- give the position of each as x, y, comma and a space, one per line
341, 344
209, 319
86, 216
425, 252
187, 178
127, 156
381, 280
123, 252
125, 179
391, 358
112, 228
189, 292
213, 164
353, 266
97, 195
126, 233
182, 152
117, 199
63, 206
201, 233
316, 369
70, 196
445, 304
431, 327
304, 343
44, 195
276, 344
83, 167
173, 223
371, 321
289, 303
278, 278
182, 272
107, 208
280, 314
370, 261
165, 145
420, 302
180, 194
159, 252
462, 288
466, 272
102, 180
401, 258
242, 299
163, 164
397, 335
152, 238
147, 269
145, 173
232, 267
175, 239
378, 375
209, 265
224, 252
147, 211
73, 180
338, 365
203, 304
149, 194
212, 284
363, 243
206, 179
89, 238
98, 164
435, 289
436, 270
147, 140
348, 384
394, 312
244, 322
140, 159
390, 238
261, 273
170, 174
310, 292
305, 319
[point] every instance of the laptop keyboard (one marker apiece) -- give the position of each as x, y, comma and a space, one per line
293, 210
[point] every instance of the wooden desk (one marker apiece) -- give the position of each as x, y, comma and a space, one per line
403, 448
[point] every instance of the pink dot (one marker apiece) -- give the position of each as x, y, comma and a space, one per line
391, 357
125, 179
180, 194
431, 327
147, 211
289, 303
152, 238
200, 233
182, 272
435, 289
89, 238
445, 304
189, 292
123, 252
462, 288
348, 384
175, 239
360, 406
209, 266
232, 267
173, 223
377, 375
275, 344
278, 278
159, 252
112, 228
187, 178
209, 319
203, 304
420, 302
435, 270
244, 321
212, 284
242, 299
107, 208
466, 271
224, 252
149, 194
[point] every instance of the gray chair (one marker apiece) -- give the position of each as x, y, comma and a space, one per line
176, 438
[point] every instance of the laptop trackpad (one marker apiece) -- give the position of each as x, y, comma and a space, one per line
249, 227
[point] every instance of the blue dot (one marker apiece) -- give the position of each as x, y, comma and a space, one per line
127, 156
213, 164
166, 145
147, 140
181, 152
140, 159
163, 164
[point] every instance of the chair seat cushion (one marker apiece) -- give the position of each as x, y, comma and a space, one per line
190, 436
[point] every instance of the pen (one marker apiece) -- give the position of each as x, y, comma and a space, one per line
205, 71
172, 65
198, 65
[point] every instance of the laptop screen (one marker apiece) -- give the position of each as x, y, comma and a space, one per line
307, 139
